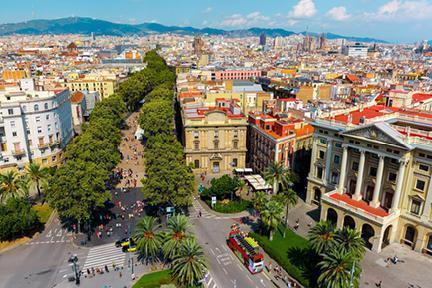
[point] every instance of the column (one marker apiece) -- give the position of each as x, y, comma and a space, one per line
328, 162
343, 170
428, 202
375, 199
357, 195
313, 157
399, 183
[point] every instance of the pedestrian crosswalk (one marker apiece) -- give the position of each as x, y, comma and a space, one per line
209, 282
102, 255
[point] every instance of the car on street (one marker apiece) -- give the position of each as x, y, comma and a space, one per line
124, 242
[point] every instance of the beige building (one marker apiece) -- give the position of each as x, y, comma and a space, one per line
214, 137
376, 176
105, 87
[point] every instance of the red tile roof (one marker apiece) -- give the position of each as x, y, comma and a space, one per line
367, 113
420, 97
77, 97
380, 212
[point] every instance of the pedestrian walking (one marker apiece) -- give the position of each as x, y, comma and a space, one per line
199, 214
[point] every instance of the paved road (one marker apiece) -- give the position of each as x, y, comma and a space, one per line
38, 263
225, 269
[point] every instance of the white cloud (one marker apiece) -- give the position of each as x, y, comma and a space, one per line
237, 20
234, 20
303, 9
338, 13
207, 10
404, 10
292, 22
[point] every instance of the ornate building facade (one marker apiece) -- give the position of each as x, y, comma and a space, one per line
376, 176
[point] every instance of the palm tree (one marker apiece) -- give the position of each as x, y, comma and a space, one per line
349, 241
322, 237
336, 268
11, 185
149, 239
272, 216
189, 265
259, 200
274, 175
240, 187
287, 198
37, 175
177, 226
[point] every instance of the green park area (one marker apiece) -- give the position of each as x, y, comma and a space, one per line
286, 251
43, 211
154, 280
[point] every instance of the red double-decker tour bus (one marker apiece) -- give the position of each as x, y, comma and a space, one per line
246, 249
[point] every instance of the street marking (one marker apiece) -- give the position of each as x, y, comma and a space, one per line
211, 250
224, 270
225, 248
102, 255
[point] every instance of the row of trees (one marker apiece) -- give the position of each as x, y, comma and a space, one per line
169, 179
174, 246
78, 188
337, 253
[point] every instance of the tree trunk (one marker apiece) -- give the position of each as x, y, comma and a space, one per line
271, 234
286, 221
275, 187
38, 189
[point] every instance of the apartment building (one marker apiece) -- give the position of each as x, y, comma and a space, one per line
277, 138
214, 138
34, 126
105, 84
372, 170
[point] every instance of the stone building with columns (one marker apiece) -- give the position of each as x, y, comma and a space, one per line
372, 171
214, 137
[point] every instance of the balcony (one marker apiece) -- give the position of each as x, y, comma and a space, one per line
359, 208
43, 145
55, 143
18, 152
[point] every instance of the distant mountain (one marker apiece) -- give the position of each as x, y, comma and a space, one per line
82, 25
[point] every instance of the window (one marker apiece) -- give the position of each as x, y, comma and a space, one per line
46, 106
196, 145
24, 108
392, 177
36, 107
12, 124
334, 177
235, 133
216, 134
14, 133
37, 118
39, 129
321, 154
415, 206
49, 127
235, 162
54, 158
319, 172
197, 164
195, 134
235, 144
420, 185
44, 161
336, 159
373, 171
28, 132
424, 167
216, 144
355, 166
47, 117
338, 145
10, 111
323, 141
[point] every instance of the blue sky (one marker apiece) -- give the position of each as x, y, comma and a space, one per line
392, 20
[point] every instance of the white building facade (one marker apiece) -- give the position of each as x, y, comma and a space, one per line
35, 126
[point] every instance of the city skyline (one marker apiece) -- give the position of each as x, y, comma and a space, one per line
394, 21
